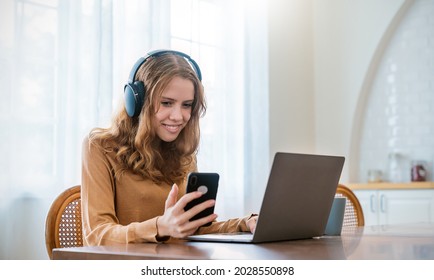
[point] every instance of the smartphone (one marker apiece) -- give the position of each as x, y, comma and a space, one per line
207, 183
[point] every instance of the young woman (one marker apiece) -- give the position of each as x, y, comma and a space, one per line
134, 172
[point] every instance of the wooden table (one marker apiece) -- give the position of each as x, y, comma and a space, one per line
403, 242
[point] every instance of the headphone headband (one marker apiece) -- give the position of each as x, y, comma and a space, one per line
157, 53
134, 91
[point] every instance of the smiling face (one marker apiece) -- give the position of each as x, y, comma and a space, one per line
174, 109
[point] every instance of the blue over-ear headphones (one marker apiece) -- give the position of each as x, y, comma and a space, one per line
134, 91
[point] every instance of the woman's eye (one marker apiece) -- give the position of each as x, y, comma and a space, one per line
166, 103
187, 105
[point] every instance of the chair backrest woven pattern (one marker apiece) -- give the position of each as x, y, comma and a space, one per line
70, 230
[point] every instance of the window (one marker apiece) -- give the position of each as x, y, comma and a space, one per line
63, 68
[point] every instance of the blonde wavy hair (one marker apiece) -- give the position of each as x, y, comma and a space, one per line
134, 141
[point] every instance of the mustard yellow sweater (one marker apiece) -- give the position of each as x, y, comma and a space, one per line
125, 210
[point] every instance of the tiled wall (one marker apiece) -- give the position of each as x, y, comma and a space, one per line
399, 117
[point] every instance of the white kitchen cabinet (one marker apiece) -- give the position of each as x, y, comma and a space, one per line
387, 207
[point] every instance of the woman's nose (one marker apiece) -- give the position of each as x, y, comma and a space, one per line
176, 113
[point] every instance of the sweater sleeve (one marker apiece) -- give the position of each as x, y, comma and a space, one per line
231, 225
100, 223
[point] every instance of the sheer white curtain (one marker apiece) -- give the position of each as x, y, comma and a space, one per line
63, 64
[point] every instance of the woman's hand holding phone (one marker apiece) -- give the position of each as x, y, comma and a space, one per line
178, 222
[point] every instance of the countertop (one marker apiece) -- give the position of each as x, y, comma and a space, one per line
391, 186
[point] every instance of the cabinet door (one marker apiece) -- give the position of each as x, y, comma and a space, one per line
369, 201
405, 206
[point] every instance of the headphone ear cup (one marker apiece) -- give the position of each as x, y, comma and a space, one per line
134, 95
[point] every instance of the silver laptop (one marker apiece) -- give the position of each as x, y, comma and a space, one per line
297, 200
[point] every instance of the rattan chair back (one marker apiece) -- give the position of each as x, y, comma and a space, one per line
353, 216
63, 226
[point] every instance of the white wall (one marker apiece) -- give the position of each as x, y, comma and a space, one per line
320, 52
291, 83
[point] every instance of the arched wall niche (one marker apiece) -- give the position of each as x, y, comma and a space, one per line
395, 110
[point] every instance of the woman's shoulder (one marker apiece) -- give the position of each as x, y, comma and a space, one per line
95, 140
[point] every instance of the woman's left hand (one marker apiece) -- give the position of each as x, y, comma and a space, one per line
251, 223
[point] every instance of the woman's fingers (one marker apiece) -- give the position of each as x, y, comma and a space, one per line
188, 198
189, 228
178, 208
200, 207
185, 216
200, 222
172, 197
251, 223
